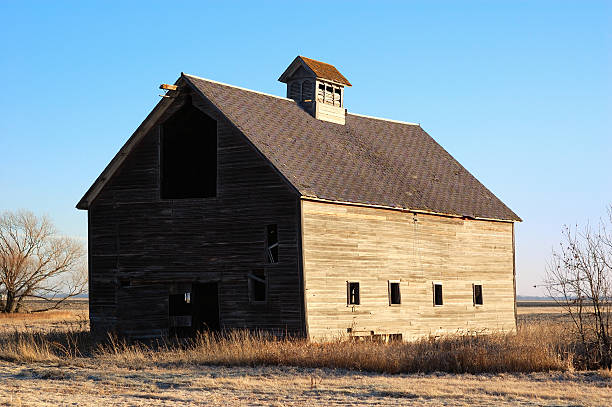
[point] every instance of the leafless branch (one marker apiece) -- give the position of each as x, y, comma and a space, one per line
36, 262
579, 278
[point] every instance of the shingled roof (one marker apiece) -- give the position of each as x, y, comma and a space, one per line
325, 71
368, 160
320, 69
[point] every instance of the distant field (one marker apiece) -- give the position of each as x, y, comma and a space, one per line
72, 314
541, 311
136, 377
538, 303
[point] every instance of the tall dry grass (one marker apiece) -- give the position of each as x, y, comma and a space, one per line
533, 348
18, 346
521, 352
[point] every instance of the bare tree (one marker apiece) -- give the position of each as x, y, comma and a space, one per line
579, 277
37, 262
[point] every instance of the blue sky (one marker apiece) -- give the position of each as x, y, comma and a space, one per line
519, 92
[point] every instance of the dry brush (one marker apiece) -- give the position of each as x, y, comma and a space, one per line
533, 348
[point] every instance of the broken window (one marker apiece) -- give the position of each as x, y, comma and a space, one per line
437, 293
353, 293
272, 243
337, 97
258, 287
329, 94
395, 297
320, 93
477, 288
188, 167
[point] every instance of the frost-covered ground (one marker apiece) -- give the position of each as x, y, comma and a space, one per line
103, 385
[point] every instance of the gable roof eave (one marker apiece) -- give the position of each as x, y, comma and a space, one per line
124, 151
409, 210
293, 66
152, 118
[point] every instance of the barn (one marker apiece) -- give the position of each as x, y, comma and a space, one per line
230, 208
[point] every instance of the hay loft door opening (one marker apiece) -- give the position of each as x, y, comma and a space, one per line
188, 155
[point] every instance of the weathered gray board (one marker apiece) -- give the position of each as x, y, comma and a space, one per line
144, 248
141, 246
373, 246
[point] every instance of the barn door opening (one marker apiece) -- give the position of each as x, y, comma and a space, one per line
205, 307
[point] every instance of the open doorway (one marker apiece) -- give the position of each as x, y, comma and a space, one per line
206, 307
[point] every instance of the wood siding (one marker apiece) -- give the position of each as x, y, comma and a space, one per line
372, 246
143, 247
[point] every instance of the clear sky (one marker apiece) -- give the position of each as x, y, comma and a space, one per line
518, 91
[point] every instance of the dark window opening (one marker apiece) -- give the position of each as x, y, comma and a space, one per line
394, 293
189, 155
272, 244
258, 286
477, 294
353, 293
321, 93
437, 294
179, 304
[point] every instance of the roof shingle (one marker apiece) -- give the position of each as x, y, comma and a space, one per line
367, 160
325, 71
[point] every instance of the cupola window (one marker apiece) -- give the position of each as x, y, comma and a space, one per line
317, 87
329, 94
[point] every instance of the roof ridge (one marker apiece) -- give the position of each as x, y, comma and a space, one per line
384, 119
291, 100
237, 87
316, 60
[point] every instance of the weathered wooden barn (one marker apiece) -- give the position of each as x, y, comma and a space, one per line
231, 208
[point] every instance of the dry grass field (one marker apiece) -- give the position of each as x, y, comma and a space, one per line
40, 367
72, 315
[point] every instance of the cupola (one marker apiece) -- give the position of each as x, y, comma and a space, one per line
316, 87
